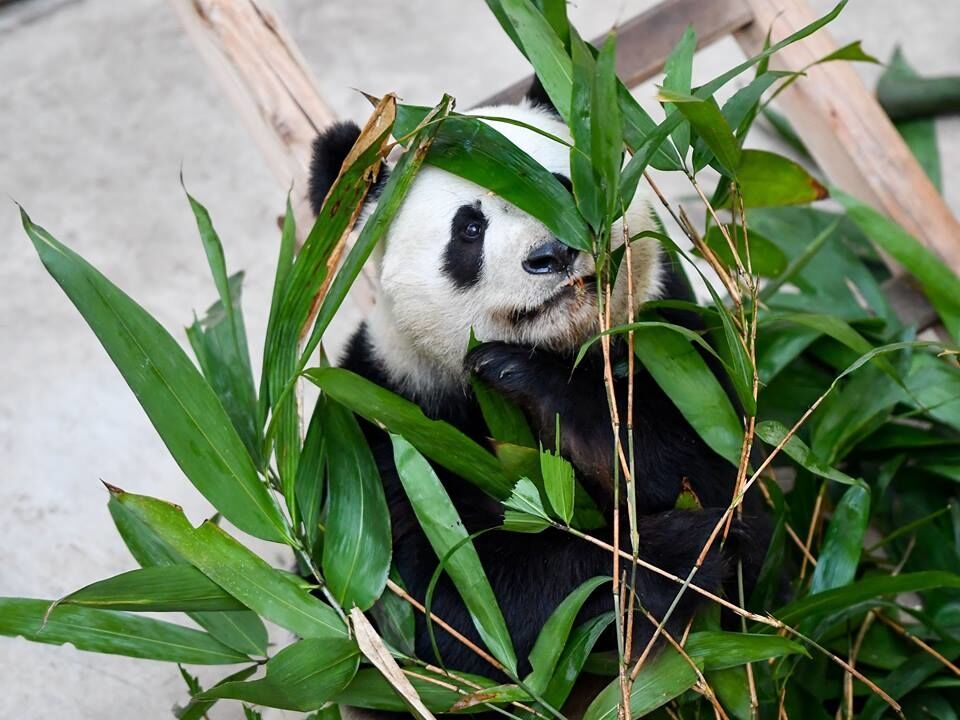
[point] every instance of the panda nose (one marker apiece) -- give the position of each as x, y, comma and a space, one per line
550, 258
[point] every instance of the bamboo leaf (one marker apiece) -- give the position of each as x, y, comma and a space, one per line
722, 650
224, 335
197, 709
840, 555
606, 143
770, 180
185, 411
660, 680
369, 689
442, 525
114, 633
439, 441
303, 676
871, 588
586, 186
162, 588
773, 432
766, 259
357, 541
705, 117
576, 650
553, 637
559, 483
544, 50
686, 379
247, 577
243, 631
678, 78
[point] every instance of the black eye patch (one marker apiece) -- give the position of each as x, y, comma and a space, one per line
463, 256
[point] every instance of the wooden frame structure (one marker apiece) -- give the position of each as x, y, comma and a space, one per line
838, 119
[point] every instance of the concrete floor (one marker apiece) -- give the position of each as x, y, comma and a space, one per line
100, 104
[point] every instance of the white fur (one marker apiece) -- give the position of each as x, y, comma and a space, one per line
421, 323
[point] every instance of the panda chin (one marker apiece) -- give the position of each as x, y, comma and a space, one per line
561, 322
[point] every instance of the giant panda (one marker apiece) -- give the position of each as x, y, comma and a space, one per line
457, 257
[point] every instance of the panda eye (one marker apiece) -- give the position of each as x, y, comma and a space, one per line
473, 230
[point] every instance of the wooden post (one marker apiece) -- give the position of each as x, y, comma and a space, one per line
847, 132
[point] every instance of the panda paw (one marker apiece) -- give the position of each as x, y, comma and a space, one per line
512, 370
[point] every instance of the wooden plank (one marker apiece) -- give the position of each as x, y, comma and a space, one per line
266, 79
645, 41
847, 132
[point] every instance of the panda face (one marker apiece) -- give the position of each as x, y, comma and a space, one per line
457, 257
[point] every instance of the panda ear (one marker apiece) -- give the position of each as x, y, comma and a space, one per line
537, 95
330, 149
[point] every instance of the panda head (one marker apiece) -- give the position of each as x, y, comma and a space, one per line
458, 257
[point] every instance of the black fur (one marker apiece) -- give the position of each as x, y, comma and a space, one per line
330, 149
463, 256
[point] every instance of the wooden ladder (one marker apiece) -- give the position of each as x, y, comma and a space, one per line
839, 120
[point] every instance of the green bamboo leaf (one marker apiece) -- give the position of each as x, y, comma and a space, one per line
555, 11
311, 473
114, 633
686, 379
303, 676
920, 133
395, 620
505, 421
285, 259
559, 482
219, 341
553, 637
871, 588
586, 187
660, 680
678, 78
180, 404
224, 335
162, 588
442, 525
357, 541
265, 590
852, 52
544, 50
715, 650
840, 555
770, 180
439, 441
939, 283
606, 143
711, 126
573, 658
303, 284
773, 433
472, 149
243, 631
370, 690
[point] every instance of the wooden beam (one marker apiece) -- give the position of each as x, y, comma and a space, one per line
847, 132
645, 41
266, 79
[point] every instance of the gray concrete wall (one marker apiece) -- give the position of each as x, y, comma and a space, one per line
100, 104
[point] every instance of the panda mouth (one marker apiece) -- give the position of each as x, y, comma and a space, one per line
575, 288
